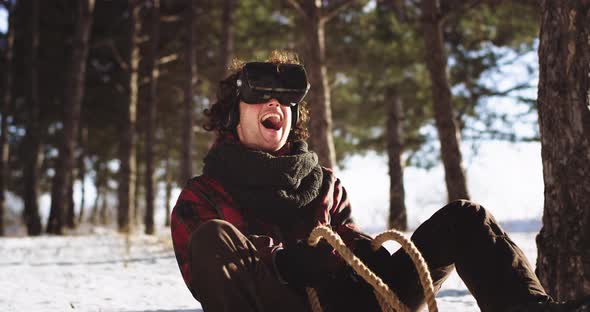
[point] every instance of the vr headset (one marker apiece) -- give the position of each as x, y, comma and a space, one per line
259, 82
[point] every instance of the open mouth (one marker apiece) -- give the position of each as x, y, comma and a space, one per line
272, 121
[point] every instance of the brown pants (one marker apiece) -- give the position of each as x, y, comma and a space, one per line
229, 276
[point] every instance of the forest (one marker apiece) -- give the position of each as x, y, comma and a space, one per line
114, 92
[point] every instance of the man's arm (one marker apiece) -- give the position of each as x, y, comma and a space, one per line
341, 215
189, 212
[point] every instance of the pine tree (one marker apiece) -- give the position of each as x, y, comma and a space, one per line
127, 170
152, 67
315, 15
6, 109
32, 139
186, 168
564, 120
63, 179
448, 132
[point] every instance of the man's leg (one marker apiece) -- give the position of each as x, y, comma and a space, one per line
227, 274
464, 235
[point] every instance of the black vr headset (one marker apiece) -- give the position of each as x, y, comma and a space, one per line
259, 82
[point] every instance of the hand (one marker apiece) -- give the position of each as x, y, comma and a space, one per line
265, 245
261, 242
378, 261
304, 265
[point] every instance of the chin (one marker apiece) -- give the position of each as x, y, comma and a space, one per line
273, 147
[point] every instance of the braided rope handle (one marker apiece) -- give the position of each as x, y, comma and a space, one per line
378, 285
418, 260
385, 296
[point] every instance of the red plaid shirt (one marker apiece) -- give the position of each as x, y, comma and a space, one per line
204, 198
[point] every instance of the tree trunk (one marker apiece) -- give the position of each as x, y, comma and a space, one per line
6, 110
186, 168
227, 37
32, 139
82, 171
99, 181
71, 206
150, 104
168, 190
95, 207
104, 212
127, 170
74, 94
397, 208
448, 132
135, 214
321, 139
564, 119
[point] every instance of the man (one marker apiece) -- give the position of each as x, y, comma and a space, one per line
240, 229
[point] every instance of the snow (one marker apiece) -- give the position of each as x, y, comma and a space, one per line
102, 271
106, 271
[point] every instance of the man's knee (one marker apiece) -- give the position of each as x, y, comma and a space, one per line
464, 207
213, 228
462, 212
212, 234
470, 214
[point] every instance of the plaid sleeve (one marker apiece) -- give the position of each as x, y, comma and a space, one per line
190, 211
341, 219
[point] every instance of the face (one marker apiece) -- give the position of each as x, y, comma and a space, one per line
264, 126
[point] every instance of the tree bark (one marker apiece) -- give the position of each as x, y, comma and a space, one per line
127, 170
6, 110
104, 211
136, 207
227, 38
168, 190
82, 172
564, 119
449, 136
74, 94
320, 125
397, 208
95, 207
186, 168
99, 181
70, 204
32, 139
152, 97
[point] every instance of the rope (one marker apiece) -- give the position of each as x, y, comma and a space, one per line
416, 257
385, 296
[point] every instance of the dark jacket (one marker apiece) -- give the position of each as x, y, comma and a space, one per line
204, 198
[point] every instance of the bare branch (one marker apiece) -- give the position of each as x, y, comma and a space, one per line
109, 43
297, 6
170, 18
118, 56
335, 9
168, 58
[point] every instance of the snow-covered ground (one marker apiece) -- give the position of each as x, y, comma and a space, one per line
106, 271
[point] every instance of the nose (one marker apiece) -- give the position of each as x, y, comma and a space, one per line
273, 102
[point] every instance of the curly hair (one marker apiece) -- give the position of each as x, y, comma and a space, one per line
228, 99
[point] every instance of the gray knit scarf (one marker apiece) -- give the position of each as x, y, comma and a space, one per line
269, 187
